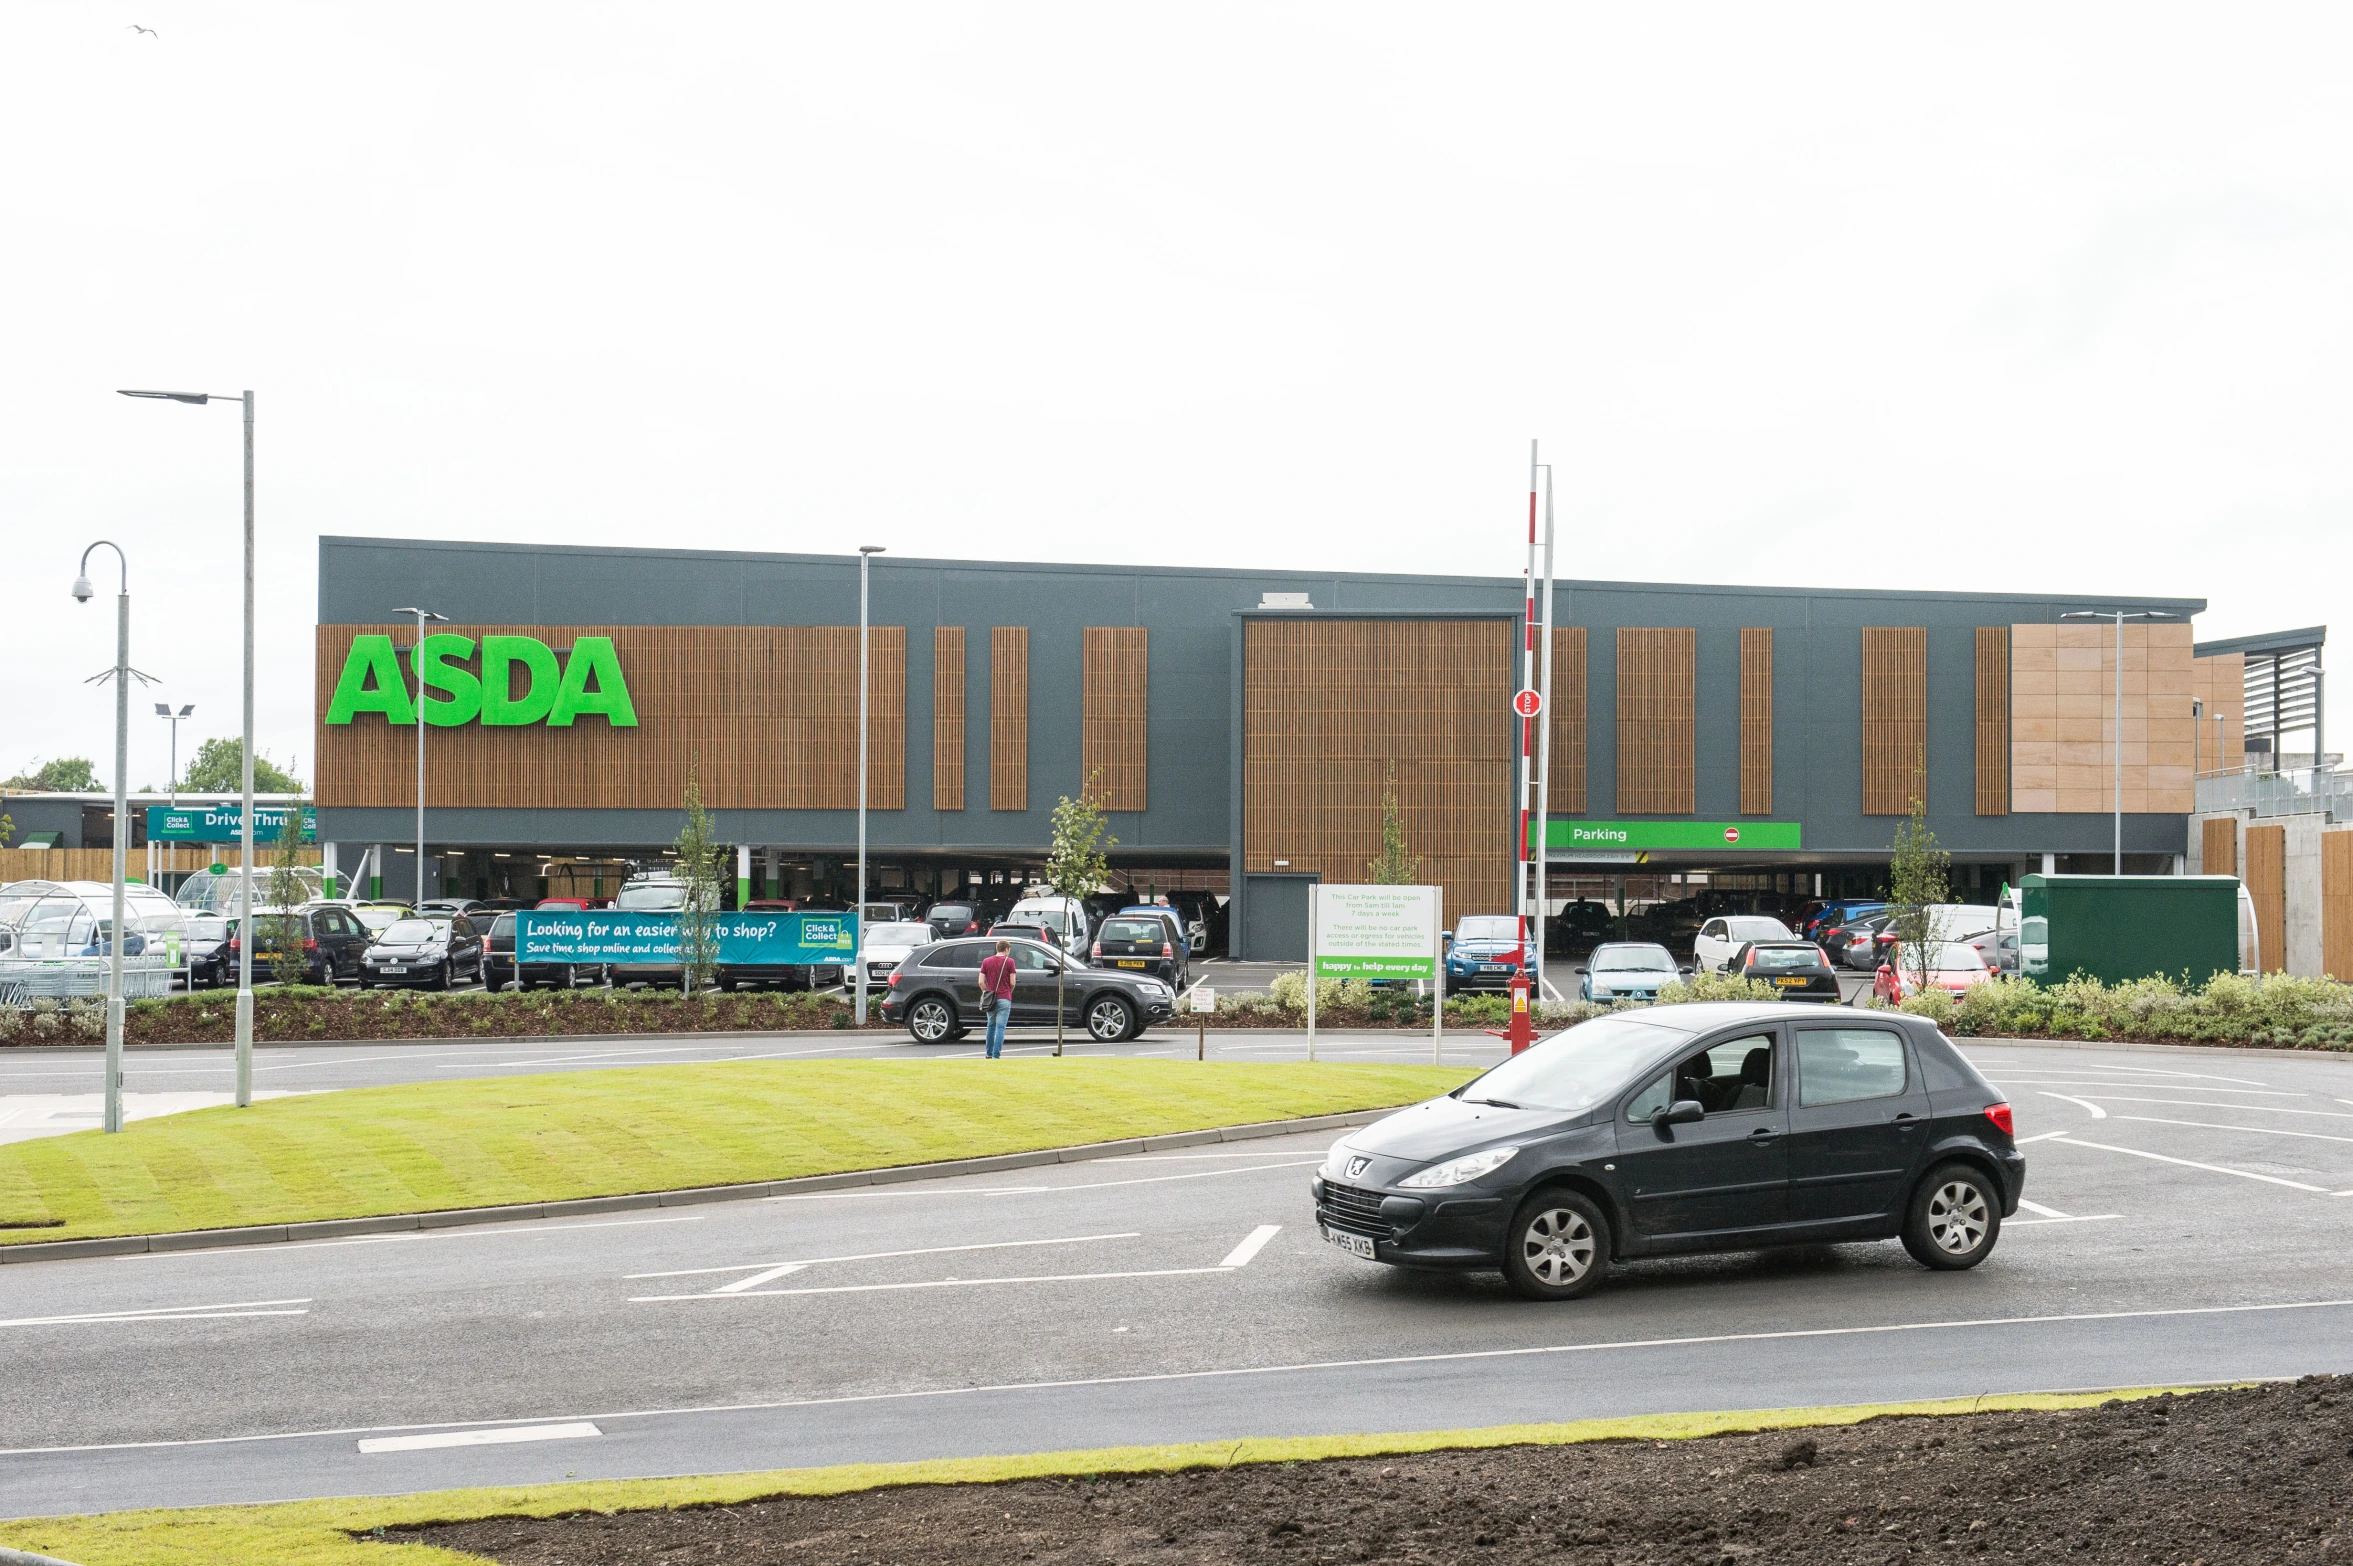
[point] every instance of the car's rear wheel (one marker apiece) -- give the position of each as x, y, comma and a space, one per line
932, 1020
1110, 1019
1955, 1217
495, 986
1558, 1246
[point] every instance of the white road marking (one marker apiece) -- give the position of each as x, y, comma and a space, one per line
492, 1231
565, 1060
503, 1436
2097, 1112
1231, 1372
756, 1279
169, 1313
2208, 1125
1240, 1255
2039, 1210
2044, 1137
929, 1250
2036, 1223
930, 1283
2207, 1103
2185, 1088
2186, 1163
1030, 1190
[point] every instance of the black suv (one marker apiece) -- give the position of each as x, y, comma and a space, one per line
936, 993
333, 943
1685, 1128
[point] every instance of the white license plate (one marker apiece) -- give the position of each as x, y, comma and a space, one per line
1495, 967
393, 967
1353, 1244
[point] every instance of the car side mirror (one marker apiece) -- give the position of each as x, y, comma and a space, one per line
1682, 1112
1446, 940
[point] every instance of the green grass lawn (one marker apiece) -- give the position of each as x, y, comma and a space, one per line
420, 1147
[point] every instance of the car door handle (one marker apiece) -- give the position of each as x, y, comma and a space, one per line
1762, 1135
1905, 1117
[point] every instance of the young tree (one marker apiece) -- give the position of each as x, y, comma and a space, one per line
1917, 881
1395, 867
1076, 864
287, 889
698, 866
219, 768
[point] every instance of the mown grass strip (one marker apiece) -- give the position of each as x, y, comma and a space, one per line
426, 1147
331, 1533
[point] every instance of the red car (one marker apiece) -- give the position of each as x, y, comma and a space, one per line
1953, 966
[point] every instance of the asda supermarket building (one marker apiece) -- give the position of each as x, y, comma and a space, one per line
1238, 726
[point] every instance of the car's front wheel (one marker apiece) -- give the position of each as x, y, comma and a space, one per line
1110, 1019
932, 1020
1558, 1246
441, 977
1956, 1216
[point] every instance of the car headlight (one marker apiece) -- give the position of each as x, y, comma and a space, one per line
1461, 1171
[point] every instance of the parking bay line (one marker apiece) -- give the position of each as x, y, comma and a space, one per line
1236, 1259
2204, 1103
499, 1436
233, 1309
1034, 1190
2097, 1112
2187, 1163
2207, 1125
1234, 1371
929, 1250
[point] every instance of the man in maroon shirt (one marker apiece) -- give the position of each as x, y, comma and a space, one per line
996, 994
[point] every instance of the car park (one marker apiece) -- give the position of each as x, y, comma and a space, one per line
432, 951
1627, 970
1797, 969
882, 947
1484, 952
935, 993
1146, 939
1718, 939
500, 969
1681, 1129
334, 941
1953, 966
1836, 912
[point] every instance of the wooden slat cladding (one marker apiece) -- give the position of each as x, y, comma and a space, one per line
1756, 720
1009, 717
1116, 660
2218, 845
767, 716
1657, 683
2267, 888
1895, 718
2336, 904
1993, 720
1333, 708
947, 717
1565, 795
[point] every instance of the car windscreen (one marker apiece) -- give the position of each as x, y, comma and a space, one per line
1491, 927
1946, 956
652, 899
412, 932
1134, 930
207, 927
1632, 959
503, 926
379, 919
1052, 918
897, 934
951, 913
1784, 957
1577, 1069
1759, 930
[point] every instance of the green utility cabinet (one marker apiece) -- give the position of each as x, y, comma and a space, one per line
2119, 927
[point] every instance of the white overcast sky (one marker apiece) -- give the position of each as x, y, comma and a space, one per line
2004, 297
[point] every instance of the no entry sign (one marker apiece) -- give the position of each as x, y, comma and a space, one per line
1527, 703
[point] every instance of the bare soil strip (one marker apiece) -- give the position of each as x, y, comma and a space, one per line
2257, 1474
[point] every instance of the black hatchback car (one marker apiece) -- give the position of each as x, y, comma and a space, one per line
1796, 968
1678, 1129
935, 993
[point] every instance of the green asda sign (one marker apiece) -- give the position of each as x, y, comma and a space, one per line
1612, 836
588, 684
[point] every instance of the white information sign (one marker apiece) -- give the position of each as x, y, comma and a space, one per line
1376, 932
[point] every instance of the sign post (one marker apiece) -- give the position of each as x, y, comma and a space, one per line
1315, 919
1388, 933
1204, 1002
1438, 978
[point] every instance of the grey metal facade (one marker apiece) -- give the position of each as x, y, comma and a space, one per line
1194, 749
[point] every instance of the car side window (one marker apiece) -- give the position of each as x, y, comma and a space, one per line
1843, 1065
1031, 958
1714, 930
1644, 1106
461, 927
1730, 1076
955, 954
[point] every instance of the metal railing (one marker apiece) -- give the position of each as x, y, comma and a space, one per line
2305, 791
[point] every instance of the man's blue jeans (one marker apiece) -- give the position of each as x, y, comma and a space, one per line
1000, 1009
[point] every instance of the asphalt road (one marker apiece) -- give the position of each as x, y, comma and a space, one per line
2187, 1227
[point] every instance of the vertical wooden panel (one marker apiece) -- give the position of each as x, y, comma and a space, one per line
2267, 885
1657, 684
1756, 720
1565, 795
2336, 904
1112, 743
1009, 717
947, 717
1993, 720
1895, 718
1334, 709
2219, 845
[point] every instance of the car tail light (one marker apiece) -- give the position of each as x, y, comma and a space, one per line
310, 944
1167, 950
1096, 950
1999, 1114
1821, 956
973, 928
894, 984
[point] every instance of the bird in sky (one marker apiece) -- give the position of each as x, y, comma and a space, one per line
149, 31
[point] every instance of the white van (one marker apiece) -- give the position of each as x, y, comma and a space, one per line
1066, 916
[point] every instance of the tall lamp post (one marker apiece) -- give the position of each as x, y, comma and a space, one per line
163, 710
866, 554
2119, 616
245, 815
122, 821
417, 667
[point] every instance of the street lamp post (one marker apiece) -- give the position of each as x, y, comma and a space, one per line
417, 667
122, 822
866, 554
245, 824
164, 711
2119, 616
